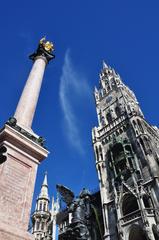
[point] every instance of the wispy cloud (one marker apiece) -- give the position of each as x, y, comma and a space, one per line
73, 89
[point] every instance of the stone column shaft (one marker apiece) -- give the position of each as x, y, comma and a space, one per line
27, 104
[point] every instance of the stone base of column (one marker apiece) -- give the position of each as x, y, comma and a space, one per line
17, 179
13, 233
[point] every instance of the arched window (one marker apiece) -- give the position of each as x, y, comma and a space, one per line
44, 207
97, 154
143, 145
140, 126
100, 152
42, 226
147, 144
120, 130
40, 206
108, 88
129, 204
104, 91
146, 201
109, 117
37, 225
134, 123
100, 95
117, 111
99, 170
102, 120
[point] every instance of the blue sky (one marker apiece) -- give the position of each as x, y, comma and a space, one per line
123, 33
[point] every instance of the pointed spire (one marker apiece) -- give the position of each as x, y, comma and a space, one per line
105, 65
45, 180
44, 188
95, 89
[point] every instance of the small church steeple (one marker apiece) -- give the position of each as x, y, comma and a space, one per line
41, 218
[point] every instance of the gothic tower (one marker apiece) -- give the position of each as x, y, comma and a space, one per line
44, 219
41, 218
126, 149
21, 151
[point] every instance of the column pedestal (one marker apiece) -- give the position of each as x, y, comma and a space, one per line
17, 179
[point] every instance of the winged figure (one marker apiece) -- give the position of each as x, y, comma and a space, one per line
66, 194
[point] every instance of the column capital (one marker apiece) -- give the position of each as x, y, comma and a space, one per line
44, 50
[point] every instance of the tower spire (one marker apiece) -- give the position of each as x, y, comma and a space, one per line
26, 107
44, 188
45, 180
41, 218
105, 65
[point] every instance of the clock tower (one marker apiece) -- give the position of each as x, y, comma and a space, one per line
126, 150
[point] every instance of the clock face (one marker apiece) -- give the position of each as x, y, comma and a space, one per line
108, 99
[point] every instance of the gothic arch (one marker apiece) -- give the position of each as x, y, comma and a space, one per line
147, 143
117, 111
40, 206
143, 145
134, 123
136, 233
45, 206
129, 204
140, 126
109, 117
100, 152
121, 130
97, 154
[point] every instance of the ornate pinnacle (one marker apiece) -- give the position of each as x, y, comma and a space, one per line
105, 65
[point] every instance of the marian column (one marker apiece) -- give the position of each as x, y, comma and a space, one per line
21, 150
27, 105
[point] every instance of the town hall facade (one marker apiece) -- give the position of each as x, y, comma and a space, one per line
126, 150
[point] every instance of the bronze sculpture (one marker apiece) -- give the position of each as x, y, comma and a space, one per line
81, 210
